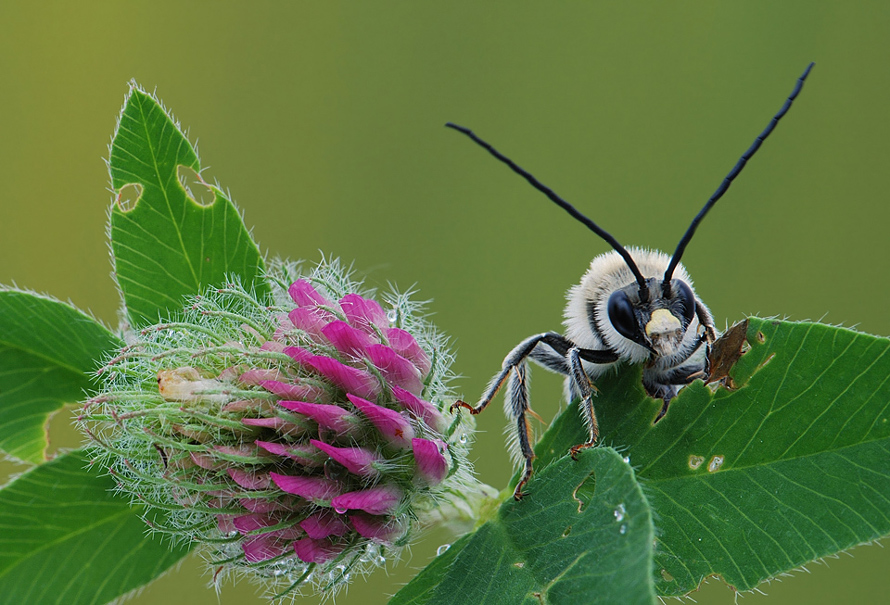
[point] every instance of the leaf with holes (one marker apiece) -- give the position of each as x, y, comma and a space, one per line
48, 350
792, 466
585, 535
68, 538
166, 245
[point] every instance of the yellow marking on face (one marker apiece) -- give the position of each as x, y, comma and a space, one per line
662, 322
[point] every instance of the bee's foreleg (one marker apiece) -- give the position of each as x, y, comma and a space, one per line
516, 407
515, 357
582, 382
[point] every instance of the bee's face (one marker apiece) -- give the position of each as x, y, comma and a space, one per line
658, 321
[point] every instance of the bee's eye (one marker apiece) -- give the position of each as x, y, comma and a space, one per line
687, 299
621, 314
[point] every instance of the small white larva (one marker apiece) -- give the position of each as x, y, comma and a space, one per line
633, 305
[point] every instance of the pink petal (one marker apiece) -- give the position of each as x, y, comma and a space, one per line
421, 409
303, 392
262, 548
248, 523
324, 523
206, 461
224, 524
244, 405
310, 320
363, 313
304, 454
248, 479
432, 467
392, 425
395, 368
357, 460
302, 293
285, 325
256, 376
383, 529
317, 551
347, 378
260, 505
380, 500
311, 488
280, 425
403, 343
347, 339
299, 354
330, 416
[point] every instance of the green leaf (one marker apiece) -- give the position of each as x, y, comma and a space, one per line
169, 246
791, 467
586, 535
66, 537
48, 350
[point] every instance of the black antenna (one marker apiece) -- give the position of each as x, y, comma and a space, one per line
644, 290
678, 253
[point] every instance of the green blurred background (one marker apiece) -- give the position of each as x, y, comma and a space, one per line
325, 122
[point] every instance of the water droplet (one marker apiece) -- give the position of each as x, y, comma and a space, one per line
462, 439
620, 511
340, 569
340, 511
442, 549
379, 560
695, 461
623, 529
392, 315
626, 459
715, 464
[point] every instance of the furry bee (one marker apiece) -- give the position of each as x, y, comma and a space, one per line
633, 305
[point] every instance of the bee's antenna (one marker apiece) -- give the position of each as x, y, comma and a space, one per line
678, 253
644, 290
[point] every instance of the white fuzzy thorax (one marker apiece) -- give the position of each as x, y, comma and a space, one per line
608, 272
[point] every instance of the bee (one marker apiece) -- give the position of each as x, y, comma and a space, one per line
632, 306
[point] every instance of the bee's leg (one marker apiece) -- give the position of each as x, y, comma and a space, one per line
520, 352
586, 389
516, 406
707, 322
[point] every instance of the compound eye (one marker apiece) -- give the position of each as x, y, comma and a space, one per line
621, 314
687, 299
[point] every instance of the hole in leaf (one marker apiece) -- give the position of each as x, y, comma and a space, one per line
519, 564
667, 577
761, 338
128, 196
195, 187
583, 494
567, 531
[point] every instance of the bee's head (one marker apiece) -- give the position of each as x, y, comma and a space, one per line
656, 318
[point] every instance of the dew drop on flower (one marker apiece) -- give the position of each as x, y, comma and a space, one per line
462, 440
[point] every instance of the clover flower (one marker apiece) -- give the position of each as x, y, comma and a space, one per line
300, 438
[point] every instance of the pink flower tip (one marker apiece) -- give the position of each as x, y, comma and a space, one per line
302, 293
380, 500
432, 467
316, 489
363, 313
378, 528
317, 551
357, 460
392, 425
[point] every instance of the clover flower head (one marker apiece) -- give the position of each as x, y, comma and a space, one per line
300, 438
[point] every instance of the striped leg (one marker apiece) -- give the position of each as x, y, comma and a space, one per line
586, 389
